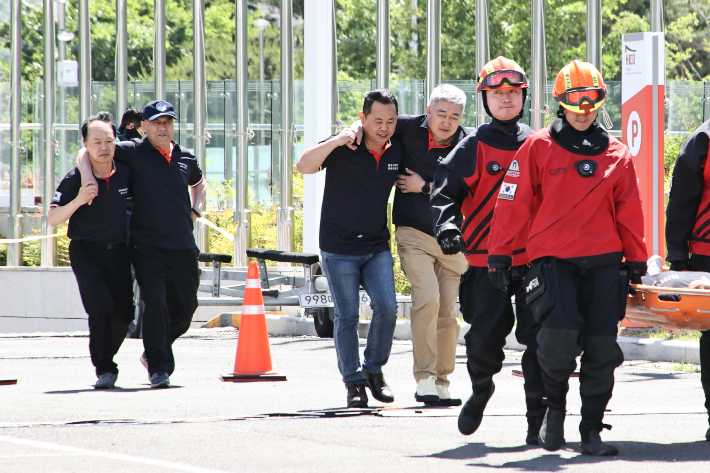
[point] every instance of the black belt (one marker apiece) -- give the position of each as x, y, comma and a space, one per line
102, 246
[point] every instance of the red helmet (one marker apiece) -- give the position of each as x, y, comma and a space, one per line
502, 72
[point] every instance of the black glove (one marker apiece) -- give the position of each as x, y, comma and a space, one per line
451, 242
680, 265
638, 269
499, 271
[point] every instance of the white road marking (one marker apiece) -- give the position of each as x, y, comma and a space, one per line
113, 456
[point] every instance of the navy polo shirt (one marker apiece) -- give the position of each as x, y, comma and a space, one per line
161, 202
357, 186
104, 221
412, 209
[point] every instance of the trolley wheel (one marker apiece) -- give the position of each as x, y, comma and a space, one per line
322, 319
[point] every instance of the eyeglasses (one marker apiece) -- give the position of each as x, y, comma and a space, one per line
577, 97
497, 78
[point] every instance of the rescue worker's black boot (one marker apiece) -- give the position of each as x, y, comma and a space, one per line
592, 443
472, 412
552, 431
536, 407
535, 414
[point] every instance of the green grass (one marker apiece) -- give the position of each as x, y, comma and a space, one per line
662, 334
687, 367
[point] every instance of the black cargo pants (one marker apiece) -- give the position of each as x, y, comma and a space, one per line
579, 310
490, 313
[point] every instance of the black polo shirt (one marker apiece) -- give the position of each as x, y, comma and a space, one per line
353, 217
161, 202
412, 209
104, 221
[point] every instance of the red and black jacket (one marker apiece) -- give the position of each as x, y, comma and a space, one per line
575, 196
688, 212
466, 185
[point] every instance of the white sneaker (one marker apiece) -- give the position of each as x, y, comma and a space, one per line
106, 381
445, 398
426, 391
443, 392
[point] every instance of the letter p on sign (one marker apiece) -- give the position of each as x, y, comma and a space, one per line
633, 133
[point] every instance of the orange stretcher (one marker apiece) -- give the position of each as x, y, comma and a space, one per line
692, 312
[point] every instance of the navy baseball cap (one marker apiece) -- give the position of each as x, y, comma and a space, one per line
157, 109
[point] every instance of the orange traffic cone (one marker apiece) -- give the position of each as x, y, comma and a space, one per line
253, 361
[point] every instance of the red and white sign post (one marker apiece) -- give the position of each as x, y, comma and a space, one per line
642, 125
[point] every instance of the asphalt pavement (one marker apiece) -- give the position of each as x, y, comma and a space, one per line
54, 421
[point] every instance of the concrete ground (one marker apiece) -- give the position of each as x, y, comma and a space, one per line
54, 421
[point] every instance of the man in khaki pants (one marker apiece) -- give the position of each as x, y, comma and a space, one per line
434, 276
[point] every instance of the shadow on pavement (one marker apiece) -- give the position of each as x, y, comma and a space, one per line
114, 390
552, 461
646, 376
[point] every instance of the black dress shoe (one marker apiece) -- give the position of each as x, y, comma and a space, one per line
378, 386
471, 414
552, 431
357, 396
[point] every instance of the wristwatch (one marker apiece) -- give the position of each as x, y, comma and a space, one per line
196, 213
426, 188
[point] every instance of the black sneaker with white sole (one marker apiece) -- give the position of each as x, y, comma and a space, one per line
160, 380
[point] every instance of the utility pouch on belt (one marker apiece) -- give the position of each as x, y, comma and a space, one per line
537, 293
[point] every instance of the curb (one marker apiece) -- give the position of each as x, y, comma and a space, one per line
647, 349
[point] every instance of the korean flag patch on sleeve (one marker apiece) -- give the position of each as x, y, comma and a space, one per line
57, 197
507, 191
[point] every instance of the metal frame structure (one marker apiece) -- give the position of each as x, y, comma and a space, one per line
483, 54
49, 245
242, 214
594, 33
200, 133
382, 61
433, 47
538, 61
321, 108
284, 221
84, 61
159, 48
121, 64
14, 224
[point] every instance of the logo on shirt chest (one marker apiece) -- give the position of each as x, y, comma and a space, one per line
183, 166
392, 167
514, 169
123, 191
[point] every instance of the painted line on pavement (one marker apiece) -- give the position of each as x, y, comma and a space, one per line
110, 455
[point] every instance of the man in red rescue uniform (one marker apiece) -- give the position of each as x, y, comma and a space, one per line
464, 196
688, 225
579, 186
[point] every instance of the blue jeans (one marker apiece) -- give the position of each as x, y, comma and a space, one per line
345, 275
